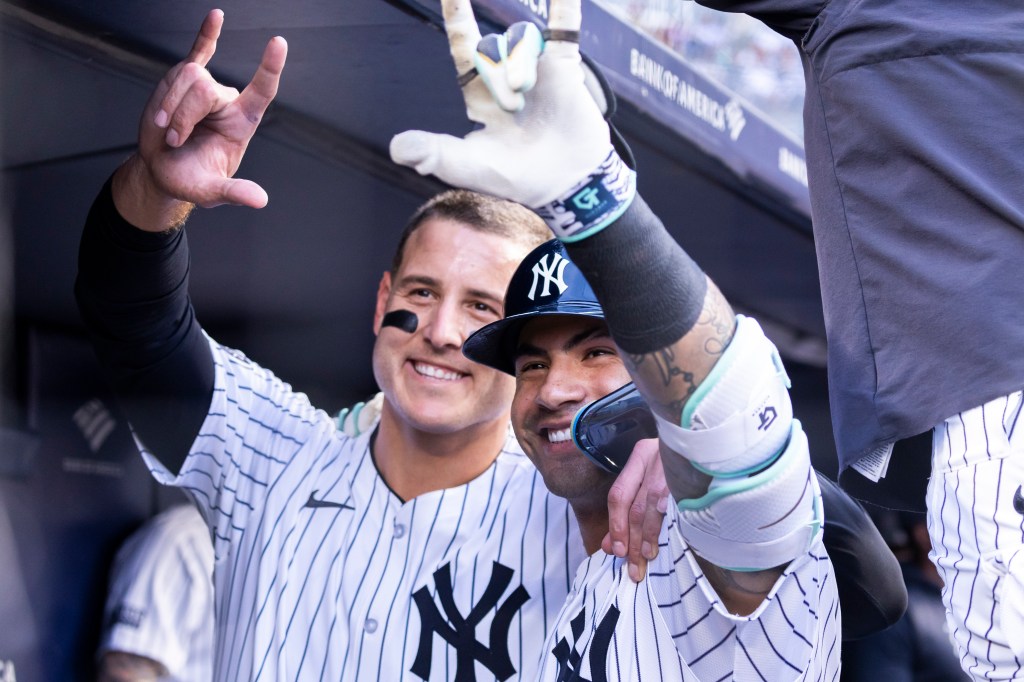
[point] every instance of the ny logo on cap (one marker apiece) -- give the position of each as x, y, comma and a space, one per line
551, 274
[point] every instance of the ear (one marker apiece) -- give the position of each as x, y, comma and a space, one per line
383, 294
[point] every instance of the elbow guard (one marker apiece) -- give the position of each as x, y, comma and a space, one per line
739, 417
763, 506
759, 521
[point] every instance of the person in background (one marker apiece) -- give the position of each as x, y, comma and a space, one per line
158, 617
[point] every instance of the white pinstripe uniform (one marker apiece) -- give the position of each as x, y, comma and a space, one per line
672, 626
160, 603
977, 534
323, 573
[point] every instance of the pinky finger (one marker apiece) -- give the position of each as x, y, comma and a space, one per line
205, 44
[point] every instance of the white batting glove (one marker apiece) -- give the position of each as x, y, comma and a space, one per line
547, 145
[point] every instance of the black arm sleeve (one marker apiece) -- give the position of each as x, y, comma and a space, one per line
872, 592
132, 292
651, 291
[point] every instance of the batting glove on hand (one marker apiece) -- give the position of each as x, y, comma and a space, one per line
542, 141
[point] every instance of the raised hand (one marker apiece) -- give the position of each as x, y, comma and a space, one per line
193, 134
547, 147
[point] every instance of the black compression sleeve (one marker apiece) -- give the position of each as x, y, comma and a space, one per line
132, 292
651, 290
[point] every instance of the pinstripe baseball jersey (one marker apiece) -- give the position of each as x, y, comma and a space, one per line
160, 603
672, 626
323, 573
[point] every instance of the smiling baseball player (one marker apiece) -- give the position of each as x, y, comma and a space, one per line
742, 587
425, 548
745, 587
918, 221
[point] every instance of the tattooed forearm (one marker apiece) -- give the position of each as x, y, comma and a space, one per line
661, 364
669, 376
718, 316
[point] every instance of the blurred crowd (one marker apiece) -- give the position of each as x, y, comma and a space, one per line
734, 50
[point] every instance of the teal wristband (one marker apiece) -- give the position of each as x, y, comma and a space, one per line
593, 204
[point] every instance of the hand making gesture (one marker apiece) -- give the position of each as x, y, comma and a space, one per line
543, 140
192, 137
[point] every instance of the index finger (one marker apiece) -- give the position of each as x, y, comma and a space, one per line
262, 89
565, 15
624, 493
463, 33
205, 44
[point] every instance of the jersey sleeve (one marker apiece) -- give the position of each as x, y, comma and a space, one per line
255, 427
793, 635
160, 603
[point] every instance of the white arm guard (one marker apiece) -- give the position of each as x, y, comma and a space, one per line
760, 521
739, 417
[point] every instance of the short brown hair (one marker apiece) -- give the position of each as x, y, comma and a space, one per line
481, 212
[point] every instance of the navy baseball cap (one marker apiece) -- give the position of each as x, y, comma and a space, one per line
547, 282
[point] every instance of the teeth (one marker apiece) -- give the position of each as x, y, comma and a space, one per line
559, 436
436, 372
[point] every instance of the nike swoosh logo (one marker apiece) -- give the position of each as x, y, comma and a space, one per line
1018, 501
313, 503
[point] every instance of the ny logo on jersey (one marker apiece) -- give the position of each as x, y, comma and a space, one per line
551, 274
460, 631
569, 666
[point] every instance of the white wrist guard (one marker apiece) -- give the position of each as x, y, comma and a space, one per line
594, 203
740, 415
759, 521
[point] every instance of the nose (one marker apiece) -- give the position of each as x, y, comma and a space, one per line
562, 388
446, 327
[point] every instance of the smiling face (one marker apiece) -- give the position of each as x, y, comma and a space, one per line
563, 363
453, 278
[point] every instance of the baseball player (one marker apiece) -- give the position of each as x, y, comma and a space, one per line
918, 220
919, 228
158, 619
743, 587
426, 548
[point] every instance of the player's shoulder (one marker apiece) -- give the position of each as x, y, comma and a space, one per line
172, 525
247, 395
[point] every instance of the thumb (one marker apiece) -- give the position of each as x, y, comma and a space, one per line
416, 149
449, 158
237, 192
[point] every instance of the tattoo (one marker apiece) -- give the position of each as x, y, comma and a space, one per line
718, 315
671, 375
665, 362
